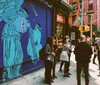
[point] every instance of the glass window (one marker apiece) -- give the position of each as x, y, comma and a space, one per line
90, 5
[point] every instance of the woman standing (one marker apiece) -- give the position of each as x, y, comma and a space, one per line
49, 60
55, 50
64, 56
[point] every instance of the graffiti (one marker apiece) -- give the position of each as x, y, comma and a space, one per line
15, 17
34, 45
22, 36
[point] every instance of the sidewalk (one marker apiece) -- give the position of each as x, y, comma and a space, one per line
37, 77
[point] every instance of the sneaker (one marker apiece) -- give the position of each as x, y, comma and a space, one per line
66, 75
60, 70
94, 63
47, 82
54, 76
69, 73
52, 81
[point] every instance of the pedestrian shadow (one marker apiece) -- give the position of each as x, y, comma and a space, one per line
93, 81
91, 70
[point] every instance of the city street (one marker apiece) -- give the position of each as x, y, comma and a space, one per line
37, 77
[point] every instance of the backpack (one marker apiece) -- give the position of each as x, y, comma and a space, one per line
43, 54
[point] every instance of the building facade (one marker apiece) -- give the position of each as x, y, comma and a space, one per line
85, 12
24, 28
98, 15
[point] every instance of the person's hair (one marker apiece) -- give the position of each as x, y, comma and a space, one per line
66, 38
39, 25
49, 41
82, 37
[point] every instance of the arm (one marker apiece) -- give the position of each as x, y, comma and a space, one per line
48, 49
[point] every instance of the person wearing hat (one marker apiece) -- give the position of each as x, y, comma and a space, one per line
64, 57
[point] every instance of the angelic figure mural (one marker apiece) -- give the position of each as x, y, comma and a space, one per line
15, 20
16, 23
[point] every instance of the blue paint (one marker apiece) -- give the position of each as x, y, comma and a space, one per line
15, 25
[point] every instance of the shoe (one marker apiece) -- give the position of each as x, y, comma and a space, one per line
94, 63
54, 76
60, 70
52, 81
46, 82
98, 75
69, 73
66, 75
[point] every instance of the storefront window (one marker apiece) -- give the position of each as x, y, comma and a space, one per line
90, 4
60, 27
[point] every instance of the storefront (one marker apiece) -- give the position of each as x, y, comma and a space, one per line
60, 27
61, 13
22, 34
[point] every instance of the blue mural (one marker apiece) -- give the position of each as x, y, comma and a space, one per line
34, 44
23, 33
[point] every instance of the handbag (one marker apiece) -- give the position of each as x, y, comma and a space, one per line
64, 56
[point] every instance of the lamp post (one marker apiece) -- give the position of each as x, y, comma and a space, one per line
82, 14
91, 26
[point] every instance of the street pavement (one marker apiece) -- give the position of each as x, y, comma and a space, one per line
37, 77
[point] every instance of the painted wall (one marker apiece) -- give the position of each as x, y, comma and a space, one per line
24, 27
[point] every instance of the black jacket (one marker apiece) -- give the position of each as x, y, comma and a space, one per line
83, 52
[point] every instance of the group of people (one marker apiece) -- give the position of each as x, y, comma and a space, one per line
82, 50
52, 49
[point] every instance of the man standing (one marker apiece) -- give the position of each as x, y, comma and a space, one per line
83, 52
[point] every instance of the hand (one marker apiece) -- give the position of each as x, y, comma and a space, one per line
53, 53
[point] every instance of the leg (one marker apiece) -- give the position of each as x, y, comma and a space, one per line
99, 62
54, 66
66, 69
62, 62
69, 63
46, 70
79, 68
94, 58
48, 67
86, 70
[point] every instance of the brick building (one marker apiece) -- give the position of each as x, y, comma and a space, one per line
90, 7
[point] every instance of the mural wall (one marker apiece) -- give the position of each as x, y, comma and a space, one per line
24, 27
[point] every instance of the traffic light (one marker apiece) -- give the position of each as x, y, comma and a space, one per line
81, 28
86, 28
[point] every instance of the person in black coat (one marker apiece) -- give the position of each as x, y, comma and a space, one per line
83, 52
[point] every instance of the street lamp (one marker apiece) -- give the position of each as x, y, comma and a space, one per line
82, 13
91, 26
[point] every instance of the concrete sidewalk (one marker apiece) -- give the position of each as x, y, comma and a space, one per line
37, 77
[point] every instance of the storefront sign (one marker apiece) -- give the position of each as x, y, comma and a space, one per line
72, 35
60, 18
